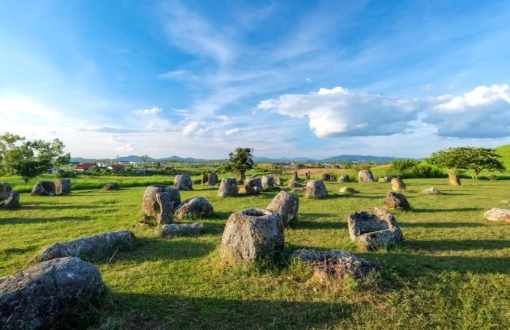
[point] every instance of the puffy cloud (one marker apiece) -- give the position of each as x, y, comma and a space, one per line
481, 113
232, 131
144, 112
338, 112
195, 128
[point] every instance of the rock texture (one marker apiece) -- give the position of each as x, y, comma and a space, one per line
385, 179
396, 201
43, 188
5, 190
250, 236
12, 201
267, 182
183, 182
431, 191
252, 186
454, 179
63, 186
186, 229
365, 176
278, 181
212, 179
193, 208
286, 206
89, 247
336, 264
374, 229
397, 184
50, 292
496, 214
228, 188
111, 186
316, 189
344, 178
348, 190
159, 203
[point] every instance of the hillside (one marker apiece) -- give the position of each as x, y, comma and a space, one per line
504, 152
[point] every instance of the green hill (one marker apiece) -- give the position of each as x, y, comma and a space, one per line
504, 152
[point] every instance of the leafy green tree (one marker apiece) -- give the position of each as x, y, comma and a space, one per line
29, 159
403, 165
241, 161
471, 159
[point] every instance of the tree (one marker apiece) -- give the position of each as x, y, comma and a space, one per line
241, 161
403, 165
28, 159
474, 160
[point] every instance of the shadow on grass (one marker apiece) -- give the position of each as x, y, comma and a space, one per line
458, 245
163, 249
311, 224
460, 209
441, 224
60, 206
347, 196
22, 221
175, 312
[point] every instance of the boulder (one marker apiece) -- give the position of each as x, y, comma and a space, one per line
251, 236
5, 190
49, 292
431, 191
316, 189
397, 184
252, 186
111, 186
267, 182
295, 176
286, 206
278, 181
348, 190
385, 179
63, 186
185, 229
183, 182
159, 202
228, 188
43, 188
212, 179
496, 214
89, 247
205, 178
374, 229
396, 201
12, 201
294, 183
336, 264
365, 176
454, 180
344, 178
326, 177
193, 208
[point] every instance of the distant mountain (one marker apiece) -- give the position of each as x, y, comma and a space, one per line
358, 158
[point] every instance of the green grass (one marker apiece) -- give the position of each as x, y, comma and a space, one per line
452, 272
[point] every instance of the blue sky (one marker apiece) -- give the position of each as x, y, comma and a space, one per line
286, 78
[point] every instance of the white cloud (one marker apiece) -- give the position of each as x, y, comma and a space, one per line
143, 112
195, 128
127, 147
232, 131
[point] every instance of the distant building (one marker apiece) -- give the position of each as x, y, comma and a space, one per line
116, 167
85, 167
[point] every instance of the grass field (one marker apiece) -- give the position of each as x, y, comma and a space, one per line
452, 272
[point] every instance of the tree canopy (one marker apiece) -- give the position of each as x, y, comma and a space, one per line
241, 161
28, 159
471, 159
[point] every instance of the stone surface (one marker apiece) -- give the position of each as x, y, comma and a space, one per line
496, 214
326, 177
193, 208
111, 186
159, 202
295, 176
43, 188
228, 188
365, 176
186, 229
252, 186
63, 186
396, 201
294, 183
278, 181
454, 180
183, 182
374, 229
397, 184
385, 179
431, 191
348, 190
344, 178
267, 182
286, 206
212, 179
252, 235
5, 190
336, 264
12, 201
316, 189
89, 247
52, 291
